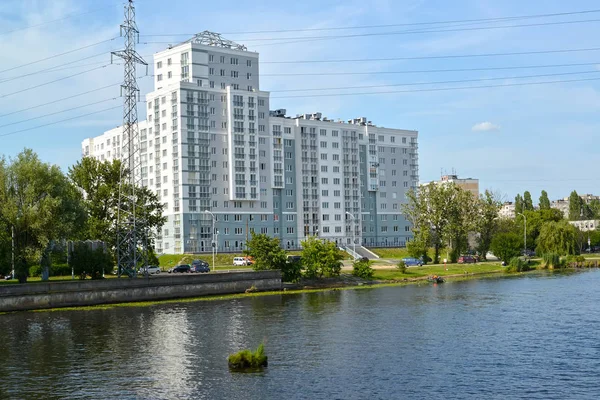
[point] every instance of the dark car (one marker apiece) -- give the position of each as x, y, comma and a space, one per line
200, 268
294, 259
181, 269
467, 260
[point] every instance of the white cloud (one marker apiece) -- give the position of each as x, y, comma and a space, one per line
485, 127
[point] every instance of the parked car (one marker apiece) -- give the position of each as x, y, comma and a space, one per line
184, 268
199, 263
8, 277
151, 270
528, 253
412, 262
467, 260
293, 259
238, 261
200, 266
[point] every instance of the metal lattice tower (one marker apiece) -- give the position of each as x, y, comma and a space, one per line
131, 229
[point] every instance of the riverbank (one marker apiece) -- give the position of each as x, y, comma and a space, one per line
344, 282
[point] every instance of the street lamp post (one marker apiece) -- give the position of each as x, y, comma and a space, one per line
524, 233
353, 234
213, 237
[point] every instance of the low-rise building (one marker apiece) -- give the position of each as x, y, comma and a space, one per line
586, 225
507, 210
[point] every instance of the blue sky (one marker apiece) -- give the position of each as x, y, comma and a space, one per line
511, 138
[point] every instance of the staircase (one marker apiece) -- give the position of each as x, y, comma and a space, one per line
351, 252
364, 252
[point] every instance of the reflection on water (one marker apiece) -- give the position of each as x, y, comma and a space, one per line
529, 337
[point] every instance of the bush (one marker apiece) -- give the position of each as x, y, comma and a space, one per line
506, 246
401, 266
551, 260
362, 269
517, 265
574, 259
292, 271
248, 360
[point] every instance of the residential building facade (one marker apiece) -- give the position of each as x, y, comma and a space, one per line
210, 147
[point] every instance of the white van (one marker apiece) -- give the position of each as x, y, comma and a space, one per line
237, 261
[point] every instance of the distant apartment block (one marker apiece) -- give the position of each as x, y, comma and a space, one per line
469, 184
210, 144
563, 204
586, 225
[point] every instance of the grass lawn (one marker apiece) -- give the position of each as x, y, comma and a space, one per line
438, 269
398, 252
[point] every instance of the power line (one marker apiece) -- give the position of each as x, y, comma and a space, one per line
312, 38
58, 112
431, 70
59, 55
435, 89
68, 16
64, 99
59, 100
436, 82
520, 53
54, 69
54, 81
394, 25
58, 122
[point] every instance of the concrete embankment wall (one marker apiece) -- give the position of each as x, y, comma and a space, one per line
35, 296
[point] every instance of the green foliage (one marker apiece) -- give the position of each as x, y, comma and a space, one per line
100, 183
440, 214
292, 271
544, 201
39, 203
573, 258
266, 252
516, 264
88, 262
401, 266
594, 207
418, 248
320, 259
527, 201
506, 246
551, 260
362, 269
519, 203
248, 360
557, 237
487, 222
578, 209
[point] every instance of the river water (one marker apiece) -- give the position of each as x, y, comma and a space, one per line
532, 337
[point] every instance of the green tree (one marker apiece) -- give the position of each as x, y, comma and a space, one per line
320, 259
535, 220
578, 209
557, 237
362, 269
594, 208
544, 201
486, 223
461, 212
100, 183
427, 210
519, 203
506, 245
527, 201
39, 204
266, 252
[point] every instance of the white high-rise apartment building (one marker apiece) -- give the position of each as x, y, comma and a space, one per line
209, 143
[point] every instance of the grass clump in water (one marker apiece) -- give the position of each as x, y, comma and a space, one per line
248, 361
